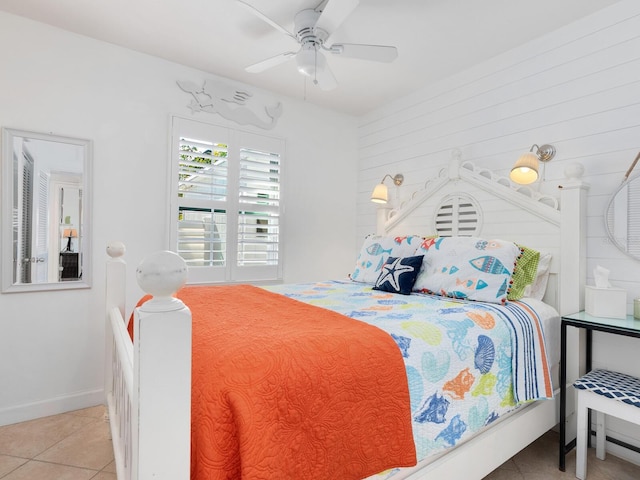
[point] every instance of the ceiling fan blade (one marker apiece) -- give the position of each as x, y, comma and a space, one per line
376, 53
270, 62
334, 13
325, 79
266, 19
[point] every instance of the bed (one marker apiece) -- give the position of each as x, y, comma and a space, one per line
143, 383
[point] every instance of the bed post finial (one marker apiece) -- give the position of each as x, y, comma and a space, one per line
116, 251
454, 164
573, 174
161, 274
116, 275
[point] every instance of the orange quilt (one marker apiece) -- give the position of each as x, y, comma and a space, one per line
286, 390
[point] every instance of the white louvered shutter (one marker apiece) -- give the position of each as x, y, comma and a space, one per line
458, 215
259, 208
227, 202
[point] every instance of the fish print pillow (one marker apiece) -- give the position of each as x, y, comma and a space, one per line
468, 267
376, 250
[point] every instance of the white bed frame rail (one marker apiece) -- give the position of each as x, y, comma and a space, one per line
148, 382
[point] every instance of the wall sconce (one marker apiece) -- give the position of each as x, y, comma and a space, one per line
380, 193
69, 233
525, 170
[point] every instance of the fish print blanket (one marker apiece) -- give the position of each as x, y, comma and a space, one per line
467, 363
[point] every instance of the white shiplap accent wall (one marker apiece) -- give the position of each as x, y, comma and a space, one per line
577, 88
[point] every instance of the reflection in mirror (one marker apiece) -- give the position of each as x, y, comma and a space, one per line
622, 217
45, 230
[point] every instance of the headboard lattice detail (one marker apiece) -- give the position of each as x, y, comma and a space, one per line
543, 205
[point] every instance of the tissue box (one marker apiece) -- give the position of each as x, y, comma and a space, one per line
605, 302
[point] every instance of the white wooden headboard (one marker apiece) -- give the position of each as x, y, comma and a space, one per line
479, 203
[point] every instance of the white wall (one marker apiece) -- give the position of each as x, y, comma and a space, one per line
51, 343
577, 88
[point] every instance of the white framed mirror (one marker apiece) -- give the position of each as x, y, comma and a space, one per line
45, 214
622, 217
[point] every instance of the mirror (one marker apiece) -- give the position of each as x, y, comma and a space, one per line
622, 217
45, 211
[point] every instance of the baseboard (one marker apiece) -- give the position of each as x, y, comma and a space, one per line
620, 452
53, 406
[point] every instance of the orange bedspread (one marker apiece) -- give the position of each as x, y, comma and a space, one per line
285, 390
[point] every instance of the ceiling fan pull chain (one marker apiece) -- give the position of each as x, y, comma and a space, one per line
315, 69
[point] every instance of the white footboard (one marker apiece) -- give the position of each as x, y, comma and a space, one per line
148, 382
120, 393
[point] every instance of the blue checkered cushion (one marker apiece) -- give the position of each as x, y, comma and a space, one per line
618, 386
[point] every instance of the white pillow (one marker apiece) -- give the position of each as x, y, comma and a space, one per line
538, 287
375, 251
468, 267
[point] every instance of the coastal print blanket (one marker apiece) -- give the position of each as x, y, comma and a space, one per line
467, 363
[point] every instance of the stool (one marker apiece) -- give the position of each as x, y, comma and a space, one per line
609, 393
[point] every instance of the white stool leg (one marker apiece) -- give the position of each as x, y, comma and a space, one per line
581, 439
600, 436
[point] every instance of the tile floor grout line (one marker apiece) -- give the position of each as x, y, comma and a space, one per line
61, 465
57, 443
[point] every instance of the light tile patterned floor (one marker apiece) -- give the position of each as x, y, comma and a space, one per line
77, 446
70, 446
539, 461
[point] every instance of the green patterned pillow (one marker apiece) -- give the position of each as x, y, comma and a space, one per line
524, 273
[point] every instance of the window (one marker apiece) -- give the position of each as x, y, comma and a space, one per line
226, 207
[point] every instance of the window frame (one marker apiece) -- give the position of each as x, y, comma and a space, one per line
236, 141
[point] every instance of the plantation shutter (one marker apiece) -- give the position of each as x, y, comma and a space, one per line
227, 206
25, 218
259, 208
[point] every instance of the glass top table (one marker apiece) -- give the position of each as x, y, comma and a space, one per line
628, 326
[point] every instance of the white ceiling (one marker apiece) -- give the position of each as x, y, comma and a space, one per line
435, 38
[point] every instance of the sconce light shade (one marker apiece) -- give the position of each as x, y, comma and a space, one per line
525, 170
380, 194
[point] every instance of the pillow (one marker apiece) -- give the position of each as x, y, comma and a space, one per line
539, 286
426, 243
468, 267
524, 273
375, 251
399, 274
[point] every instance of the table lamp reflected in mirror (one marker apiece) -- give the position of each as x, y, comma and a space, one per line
69, 233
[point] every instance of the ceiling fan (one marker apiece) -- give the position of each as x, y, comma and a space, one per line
313, 30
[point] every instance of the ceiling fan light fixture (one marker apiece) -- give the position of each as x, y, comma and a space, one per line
313, 29
310, 61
